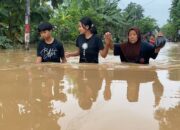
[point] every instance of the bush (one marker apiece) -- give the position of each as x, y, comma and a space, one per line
5, 43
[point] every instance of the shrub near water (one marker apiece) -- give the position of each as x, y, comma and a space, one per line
5, 43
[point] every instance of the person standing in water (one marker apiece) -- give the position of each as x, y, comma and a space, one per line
49, 49
152, 39
135, 50
88, 44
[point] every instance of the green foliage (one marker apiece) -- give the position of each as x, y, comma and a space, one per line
55, 3
105, 15
65, 19
134, 11
169, 31
133, 16
38, 15
146, 25
65, 15
5, 43
12, 16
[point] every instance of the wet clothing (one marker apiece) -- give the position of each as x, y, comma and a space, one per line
50, 52
135, 53
89, 48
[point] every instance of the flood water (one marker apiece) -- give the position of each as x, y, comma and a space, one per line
73, 96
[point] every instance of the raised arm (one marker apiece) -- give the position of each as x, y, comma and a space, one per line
108, 44
108, 40
72, 54
105, 51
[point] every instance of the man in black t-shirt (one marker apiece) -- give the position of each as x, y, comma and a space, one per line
49, 49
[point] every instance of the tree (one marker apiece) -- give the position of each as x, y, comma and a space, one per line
65, 15
146, 25
106, 15
169, 31
133, 13
175, 16
12, 16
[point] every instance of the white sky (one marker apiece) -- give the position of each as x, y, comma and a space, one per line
157, 9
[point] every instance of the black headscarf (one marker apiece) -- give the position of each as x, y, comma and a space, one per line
131, 51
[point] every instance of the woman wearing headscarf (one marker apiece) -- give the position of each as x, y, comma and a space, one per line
135, 50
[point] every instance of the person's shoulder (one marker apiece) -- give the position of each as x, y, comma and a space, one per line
57, 42
147, 45
117, 45
80, 36
123, 45
41, 42
96, 36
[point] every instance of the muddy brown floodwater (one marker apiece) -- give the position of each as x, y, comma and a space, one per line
106, 96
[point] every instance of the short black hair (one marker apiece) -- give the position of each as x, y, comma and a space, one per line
45, 26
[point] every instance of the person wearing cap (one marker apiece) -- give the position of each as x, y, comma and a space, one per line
49, 49
89, 44
135, 50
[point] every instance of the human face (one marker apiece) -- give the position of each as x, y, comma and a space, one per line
82, 29
133, 37
45, 34
151, 38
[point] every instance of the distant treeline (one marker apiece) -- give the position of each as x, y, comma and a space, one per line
65, 15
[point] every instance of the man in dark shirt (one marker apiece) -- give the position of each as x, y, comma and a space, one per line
49, 49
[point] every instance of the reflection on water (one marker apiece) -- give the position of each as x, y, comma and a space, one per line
72, 96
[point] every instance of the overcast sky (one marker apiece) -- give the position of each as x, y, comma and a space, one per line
157, 9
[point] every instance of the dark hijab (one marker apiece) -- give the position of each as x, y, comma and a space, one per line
131, 51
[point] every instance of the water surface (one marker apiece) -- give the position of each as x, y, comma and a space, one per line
73, 96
